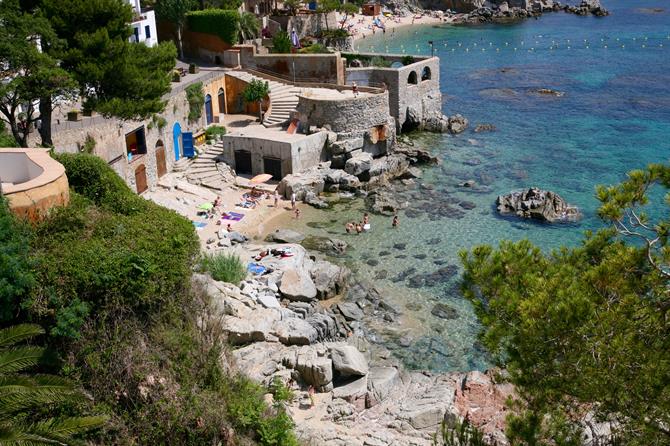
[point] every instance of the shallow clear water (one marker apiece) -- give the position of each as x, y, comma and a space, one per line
614, 116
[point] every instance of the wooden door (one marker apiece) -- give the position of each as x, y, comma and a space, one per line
160, 161
141, 178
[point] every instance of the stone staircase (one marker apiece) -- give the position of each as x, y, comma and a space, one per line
209, 171
283, 98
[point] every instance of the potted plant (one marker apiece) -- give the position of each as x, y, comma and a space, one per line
87, 111
193, 68
73, 115
176, 76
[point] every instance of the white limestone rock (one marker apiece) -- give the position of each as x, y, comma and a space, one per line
348, 361
297, 285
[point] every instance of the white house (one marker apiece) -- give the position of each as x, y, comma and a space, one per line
144, 25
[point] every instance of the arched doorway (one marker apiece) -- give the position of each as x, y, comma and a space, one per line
161, 167
208, 109
222, 101
176, 140
411, 79
425, 74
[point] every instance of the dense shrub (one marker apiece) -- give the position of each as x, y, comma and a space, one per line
281, 43
224, 267
6, 139
112, 287
378, 61
408, 60
315, 48
337, 33
16, 277
195, 96
214, 131
110, 251
220, 22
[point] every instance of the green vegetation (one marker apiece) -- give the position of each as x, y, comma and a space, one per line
378, 61
248, 27
334, 34
89, 144
256, 91
28, 74
195, 96
16, 277
459, 433
26, 397
315, 48
224, 267
157, 121
293, 6
214, 132
108, 278
585, 329
6, 140
281, 43
175, 11
220, 22
408, 60
96, 52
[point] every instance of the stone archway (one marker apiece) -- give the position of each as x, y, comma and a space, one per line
412, 78
222, 101
425, 74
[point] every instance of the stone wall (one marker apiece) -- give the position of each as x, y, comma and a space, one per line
109, 136
344, 115
297, 152
413, 105
361, 124
324, 68
307, 25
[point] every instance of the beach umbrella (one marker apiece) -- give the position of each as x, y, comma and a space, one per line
262, 178
206, 206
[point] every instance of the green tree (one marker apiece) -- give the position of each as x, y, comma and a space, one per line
248, 27
327, 6
175, 11
195, 96
16, 277
28, 73
281, 43
585, 330
115, 77
293, 6
256, 91
23, 396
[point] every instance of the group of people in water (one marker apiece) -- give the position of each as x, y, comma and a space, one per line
364, 225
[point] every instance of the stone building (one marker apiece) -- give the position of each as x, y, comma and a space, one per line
415, 100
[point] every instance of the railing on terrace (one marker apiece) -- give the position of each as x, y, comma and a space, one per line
312, 82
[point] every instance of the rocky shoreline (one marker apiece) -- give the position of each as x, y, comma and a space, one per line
302, 323
503, 12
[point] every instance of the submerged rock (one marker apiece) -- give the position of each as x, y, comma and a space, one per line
444, 311
537, 204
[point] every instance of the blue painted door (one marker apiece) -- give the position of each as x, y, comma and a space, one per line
187, 141
176, 137
208, 109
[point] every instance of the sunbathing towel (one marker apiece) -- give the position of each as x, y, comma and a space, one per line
246, 205
255, 268
233, 216
198, 225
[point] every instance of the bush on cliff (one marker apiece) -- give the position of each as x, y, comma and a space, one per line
585, 330
223, 23
112, 289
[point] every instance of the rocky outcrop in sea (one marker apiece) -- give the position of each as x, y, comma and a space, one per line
537, 204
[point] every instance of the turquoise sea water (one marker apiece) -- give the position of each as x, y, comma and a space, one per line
614, 116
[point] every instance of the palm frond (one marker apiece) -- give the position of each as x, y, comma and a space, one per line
17, 359
66, 428
17, 333
18, 393
20, 435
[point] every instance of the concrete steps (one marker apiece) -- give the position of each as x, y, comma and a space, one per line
283, 99
203, 170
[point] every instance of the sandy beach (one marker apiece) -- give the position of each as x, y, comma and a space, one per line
175, 193
361, 25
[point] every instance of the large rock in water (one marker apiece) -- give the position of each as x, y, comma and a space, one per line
329, 279
383, 202
537, 204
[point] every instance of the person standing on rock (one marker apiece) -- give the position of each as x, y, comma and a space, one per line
276, 196
293, 200
311, 393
